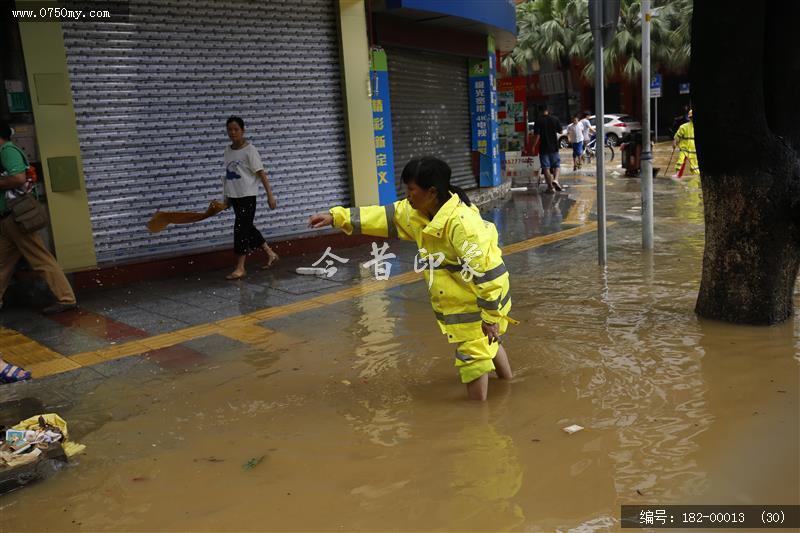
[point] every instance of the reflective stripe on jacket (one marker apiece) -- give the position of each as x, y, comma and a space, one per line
685, 137
457, 231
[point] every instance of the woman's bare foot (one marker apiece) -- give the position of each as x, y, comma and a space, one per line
272, 257
236, 274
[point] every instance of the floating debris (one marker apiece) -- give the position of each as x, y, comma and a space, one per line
252, 463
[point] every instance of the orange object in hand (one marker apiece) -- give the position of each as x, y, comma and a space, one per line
162, 219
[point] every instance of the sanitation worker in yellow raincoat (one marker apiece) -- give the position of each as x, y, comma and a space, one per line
467, 280
684, 140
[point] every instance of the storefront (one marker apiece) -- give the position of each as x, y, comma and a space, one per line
511, 113
430, 111
437, 56
151, 98
15, 101
127, 115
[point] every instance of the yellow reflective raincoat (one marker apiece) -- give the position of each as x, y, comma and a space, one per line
469, 282
685, 139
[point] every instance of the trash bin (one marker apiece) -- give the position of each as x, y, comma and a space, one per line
632, 153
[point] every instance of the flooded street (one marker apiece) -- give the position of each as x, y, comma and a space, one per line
351, 415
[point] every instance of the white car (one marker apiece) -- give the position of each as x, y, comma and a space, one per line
616, 126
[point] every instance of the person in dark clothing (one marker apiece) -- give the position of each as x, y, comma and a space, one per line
545, 133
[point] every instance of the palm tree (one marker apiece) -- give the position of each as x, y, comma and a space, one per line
522, 57
547, 31
559, 29
624, 53
678, 15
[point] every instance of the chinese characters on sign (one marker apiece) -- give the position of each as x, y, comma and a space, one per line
483, 114
511, 122
382, 127
519, 167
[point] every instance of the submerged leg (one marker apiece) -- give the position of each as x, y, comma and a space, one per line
478, 389
501, 364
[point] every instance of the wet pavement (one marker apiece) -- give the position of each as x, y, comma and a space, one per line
343, 391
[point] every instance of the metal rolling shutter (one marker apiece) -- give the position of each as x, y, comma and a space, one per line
430, 111
151, 97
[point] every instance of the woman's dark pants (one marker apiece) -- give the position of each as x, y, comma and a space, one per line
246, 238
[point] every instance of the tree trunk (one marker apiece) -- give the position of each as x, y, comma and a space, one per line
744, 77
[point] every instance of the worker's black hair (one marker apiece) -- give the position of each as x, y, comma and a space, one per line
429, 171
5, 131
235, 119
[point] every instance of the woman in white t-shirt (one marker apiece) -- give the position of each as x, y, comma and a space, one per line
243, 171
575, 134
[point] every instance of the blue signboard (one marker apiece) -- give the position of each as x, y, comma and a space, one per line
382, 128
655, 86
498, 13
683, 88
655, 82
483, 116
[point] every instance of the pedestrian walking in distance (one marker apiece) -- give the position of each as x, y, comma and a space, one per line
467, 279
243, 172
545, 132
575, 135
587, 130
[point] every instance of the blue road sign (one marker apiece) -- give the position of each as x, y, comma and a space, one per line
655, 81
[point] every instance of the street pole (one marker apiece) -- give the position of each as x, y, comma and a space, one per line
600, 144
647, 153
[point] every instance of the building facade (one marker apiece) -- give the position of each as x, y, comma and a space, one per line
126, 116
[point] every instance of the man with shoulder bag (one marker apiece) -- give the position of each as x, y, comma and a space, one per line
21, 216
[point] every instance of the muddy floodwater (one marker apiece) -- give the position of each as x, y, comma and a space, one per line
351, 415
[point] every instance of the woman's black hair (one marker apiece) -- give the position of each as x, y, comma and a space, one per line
235, 119
5, 131
429, 171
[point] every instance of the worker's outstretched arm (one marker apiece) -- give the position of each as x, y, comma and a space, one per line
375, 220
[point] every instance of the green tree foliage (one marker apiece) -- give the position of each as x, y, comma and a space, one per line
678, 15
546, 30
558, 30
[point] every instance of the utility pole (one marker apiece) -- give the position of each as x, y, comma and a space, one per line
603, 19
647, 150
599, 113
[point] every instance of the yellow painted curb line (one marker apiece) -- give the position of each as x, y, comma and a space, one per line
582, 208
17, 349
